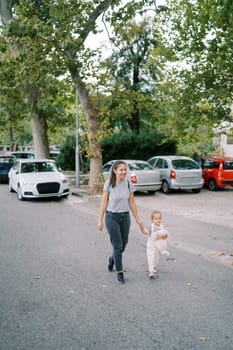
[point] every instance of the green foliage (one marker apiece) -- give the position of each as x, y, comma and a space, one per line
66, 158
134, 146
118, 146
133, 75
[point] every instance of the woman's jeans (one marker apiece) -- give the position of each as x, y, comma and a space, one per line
118, 226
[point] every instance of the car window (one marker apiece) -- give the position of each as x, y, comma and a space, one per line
140, 166
24, 155
184, 164
210, 164
27, 168
159, 163
107, 167
165, 164
152, 162
227, 165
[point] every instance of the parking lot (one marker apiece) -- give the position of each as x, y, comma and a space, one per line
207, 206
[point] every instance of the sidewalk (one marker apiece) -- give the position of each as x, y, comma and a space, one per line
79, 191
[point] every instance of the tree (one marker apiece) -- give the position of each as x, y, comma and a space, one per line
134, 76
61, 29
199, 36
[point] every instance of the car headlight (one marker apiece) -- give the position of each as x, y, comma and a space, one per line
64, 181
24, 182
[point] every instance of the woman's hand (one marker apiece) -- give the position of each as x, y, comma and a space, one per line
142, 228
100, 226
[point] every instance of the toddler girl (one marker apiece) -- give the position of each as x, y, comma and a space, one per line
157, 242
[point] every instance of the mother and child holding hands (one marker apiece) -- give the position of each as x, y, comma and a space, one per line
117, 201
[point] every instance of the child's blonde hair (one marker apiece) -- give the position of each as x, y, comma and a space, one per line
154, 212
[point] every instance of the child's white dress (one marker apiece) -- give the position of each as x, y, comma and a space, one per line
155, 246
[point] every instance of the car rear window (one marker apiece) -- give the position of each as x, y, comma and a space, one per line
140, 166
184, 164
227, 165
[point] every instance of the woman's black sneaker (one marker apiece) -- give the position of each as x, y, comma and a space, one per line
120, 278
110, 263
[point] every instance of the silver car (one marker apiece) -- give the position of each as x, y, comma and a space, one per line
178, 173
142, 175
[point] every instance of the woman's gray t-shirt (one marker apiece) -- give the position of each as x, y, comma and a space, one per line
118, 196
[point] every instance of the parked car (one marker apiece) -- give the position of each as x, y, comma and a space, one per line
6, 163
141, 174
23, 155
217, 172
32, 178
178, 173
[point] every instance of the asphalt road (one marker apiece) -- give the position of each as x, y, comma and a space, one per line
56, 292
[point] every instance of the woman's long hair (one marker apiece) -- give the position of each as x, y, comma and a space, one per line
112, 176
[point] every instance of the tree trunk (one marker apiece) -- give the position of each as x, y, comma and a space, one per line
95, 152
5, 11
39, 134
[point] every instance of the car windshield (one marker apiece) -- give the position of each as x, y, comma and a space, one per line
184, 164
228, 165
140, 166
34, 167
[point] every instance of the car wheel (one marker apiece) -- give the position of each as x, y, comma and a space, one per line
165, 187
10, 186
196, 190
212, 185
19, 193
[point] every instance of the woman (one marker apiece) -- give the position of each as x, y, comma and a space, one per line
117, 201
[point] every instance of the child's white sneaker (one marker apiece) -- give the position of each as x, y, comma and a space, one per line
152, 274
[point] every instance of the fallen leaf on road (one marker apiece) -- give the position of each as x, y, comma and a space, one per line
194, 286
38, 277
231, 263
231, 254
211, 254
93, 243
202, 338
220, 254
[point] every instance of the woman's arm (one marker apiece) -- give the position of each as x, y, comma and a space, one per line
102, 210
134, 210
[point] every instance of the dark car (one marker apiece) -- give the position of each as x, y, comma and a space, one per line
217, 172
6, 163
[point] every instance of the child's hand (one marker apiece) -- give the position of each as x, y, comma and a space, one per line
162, 237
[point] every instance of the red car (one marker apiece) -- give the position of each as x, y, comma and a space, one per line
217, 172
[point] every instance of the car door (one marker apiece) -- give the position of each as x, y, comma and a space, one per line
160, 164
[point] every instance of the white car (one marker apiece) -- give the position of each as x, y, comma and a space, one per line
32, 178
142, 175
